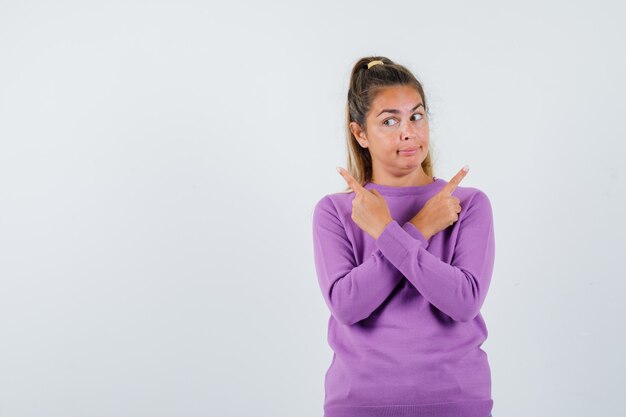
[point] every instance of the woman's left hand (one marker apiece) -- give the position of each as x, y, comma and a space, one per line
369, 208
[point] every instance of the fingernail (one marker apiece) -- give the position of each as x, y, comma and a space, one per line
339, 170
466, 168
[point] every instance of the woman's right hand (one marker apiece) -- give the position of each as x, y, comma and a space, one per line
441, 210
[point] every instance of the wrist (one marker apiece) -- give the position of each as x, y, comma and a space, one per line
382, 228
422, 228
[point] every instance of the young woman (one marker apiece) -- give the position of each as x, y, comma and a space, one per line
404, 261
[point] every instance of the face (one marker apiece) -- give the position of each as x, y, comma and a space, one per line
397, 133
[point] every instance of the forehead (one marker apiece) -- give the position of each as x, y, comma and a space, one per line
401, 97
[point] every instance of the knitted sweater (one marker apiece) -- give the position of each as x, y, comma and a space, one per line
405, 324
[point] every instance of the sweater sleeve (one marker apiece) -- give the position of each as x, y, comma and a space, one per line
351, 291
457, 289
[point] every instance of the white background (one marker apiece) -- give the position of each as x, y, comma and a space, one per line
160, 161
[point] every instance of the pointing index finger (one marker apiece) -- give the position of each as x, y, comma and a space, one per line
352, 182
454, 182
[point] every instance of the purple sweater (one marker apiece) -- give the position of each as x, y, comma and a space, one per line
405, 324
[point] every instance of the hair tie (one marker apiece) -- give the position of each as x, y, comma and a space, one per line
371, 64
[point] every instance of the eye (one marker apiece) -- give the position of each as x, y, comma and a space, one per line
393, 120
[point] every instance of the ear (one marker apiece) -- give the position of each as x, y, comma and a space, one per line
358, 133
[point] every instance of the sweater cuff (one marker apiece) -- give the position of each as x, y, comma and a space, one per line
415, 232
394, 243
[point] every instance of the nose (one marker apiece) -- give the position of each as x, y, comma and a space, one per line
409, 132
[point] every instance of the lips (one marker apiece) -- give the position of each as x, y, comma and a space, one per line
409, 151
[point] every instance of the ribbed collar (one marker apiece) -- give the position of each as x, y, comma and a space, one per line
414, 189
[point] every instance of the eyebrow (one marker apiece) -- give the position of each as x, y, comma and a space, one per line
397, 111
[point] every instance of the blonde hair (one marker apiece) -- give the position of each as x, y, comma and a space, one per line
365, 83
